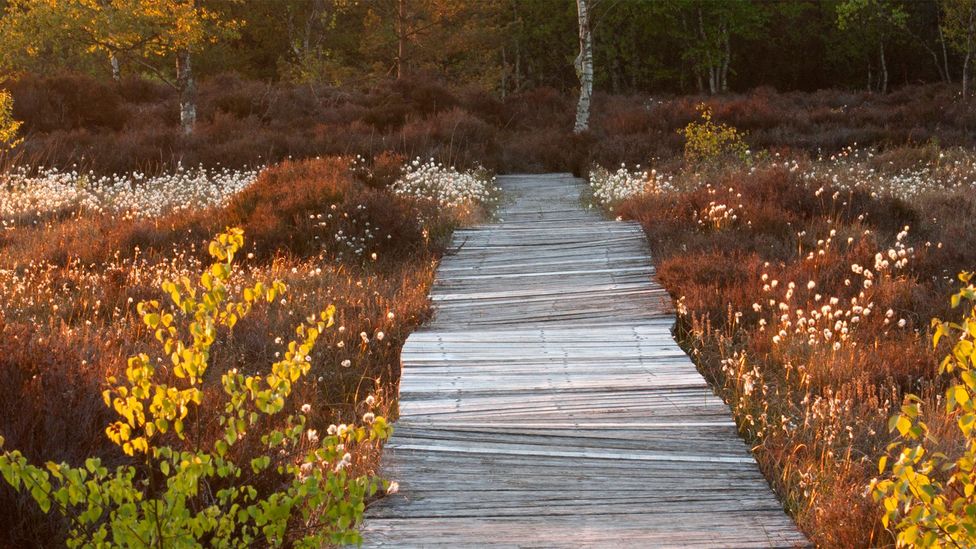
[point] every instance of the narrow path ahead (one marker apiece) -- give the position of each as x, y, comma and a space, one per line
548, 405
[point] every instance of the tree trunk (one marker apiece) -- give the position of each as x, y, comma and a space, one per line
884, 71
615, 76
517, 32
726, 60
584, 67
970, 39
504, 75
518, 67
938, 64
401, 31
116, 67
945, 54
187, 88
965, 74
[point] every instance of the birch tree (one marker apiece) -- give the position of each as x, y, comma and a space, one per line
145, 33
876, 20
959, 26
584, 65
707, 29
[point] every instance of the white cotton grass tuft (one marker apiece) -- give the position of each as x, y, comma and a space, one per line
612, 187
445, 185
132, 195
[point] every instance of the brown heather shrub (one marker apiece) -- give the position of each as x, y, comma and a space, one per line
837, 402
65, 102
381, 171
52, 379
111, 127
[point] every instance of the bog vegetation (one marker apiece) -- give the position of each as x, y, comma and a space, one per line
168, 168
806, 288
161, 499
273, 430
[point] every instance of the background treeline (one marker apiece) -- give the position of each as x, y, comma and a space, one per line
677, 46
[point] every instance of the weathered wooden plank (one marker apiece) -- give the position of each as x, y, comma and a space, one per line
547, 404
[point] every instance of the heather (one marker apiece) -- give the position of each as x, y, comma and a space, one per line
109, 128
804, 288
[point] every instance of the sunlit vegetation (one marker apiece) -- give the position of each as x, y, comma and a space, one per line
73, 276
805, 289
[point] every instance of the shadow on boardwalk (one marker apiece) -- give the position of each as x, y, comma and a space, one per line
548, 405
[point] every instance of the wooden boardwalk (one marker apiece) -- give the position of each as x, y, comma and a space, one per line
547, 404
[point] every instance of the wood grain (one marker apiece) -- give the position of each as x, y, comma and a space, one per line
547, 404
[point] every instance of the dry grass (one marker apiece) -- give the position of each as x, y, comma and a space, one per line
811, 351
70, 285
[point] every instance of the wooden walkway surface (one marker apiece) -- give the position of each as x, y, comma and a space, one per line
548, 405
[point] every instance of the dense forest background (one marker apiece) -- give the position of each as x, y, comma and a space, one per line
510, 45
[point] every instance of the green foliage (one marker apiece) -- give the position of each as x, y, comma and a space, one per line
706, 141
181, 490
929, 499
136, 32
876, 17
959, 24
8, 126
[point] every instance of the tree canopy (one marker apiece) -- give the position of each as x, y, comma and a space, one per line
639, 45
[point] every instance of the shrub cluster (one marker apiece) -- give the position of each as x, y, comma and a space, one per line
182, 489
706, 141
130, 126
928, 497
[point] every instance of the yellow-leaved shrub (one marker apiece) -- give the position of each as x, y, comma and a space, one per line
706, 141
207, 492
8, 126
928, 498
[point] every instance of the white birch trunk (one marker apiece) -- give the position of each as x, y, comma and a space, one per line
945, 55
187, 88
401, 30
584, 67
116, 67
